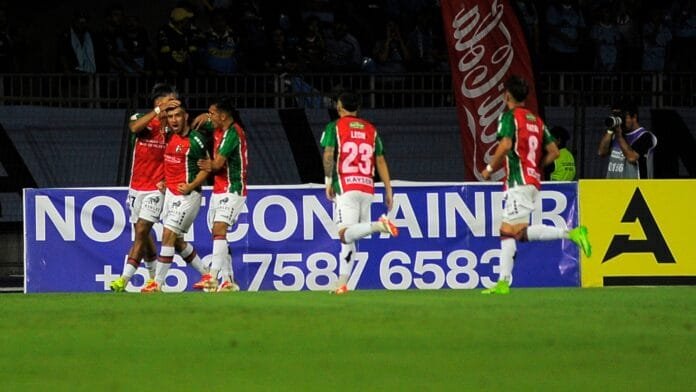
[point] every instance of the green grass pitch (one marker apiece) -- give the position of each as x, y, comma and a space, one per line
533, 339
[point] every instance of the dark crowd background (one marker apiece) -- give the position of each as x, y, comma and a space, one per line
204, 37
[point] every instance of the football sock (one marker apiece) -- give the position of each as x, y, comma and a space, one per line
358, 231
129, 270
191, 257
508, 247
227, 272
345, 263
219, 257
545, 233
151, 265
163, 264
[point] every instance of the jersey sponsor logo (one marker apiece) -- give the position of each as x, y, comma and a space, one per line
654, 242
359, 180
356, 125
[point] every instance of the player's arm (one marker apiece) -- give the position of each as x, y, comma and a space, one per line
195, 184
329, 142
552, 151
383, 171
139, 123
504, 146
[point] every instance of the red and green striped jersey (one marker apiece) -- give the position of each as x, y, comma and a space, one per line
147, 150
529, 135
356, 144
232, 144
181, 159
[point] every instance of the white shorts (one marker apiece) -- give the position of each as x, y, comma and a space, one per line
352, 207
146, 205
180, 211
225, 207
519, 203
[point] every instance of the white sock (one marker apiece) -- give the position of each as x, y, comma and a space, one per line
151, 265
508, 247
545, 233
128, 272
227, 272
186, 252
219, 257
197, 263
345, 263
357, 231
166, 253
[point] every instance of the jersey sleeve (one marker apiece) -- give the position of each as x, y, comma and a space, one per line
506, 125
328, 137
379, 146
548, 137
197, 149
229, 142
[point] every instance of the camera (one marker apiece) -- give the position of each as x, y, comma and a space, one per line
613, 120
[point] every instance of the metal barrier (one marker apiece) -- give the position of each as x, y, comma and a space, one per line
316, 90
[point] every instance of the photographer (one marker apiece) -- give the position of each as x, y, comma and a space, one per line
630, 147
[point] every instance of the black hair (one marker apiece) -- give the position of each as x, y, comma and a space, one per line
561, 135
517, 87
630, 107
350, 101
224, 105
160, 90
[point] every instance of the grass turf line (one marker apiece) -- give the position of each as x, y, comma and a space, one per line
613, 338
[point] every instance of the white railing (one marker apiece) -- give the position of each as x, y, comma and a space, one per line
317, 90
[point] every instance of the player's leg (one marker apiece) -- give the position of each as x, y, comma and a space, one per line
365, 227
514, 223
164, 261
348, 209
540, 232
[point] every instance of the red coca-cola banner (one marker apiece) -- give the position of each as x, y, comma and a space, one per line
486, 45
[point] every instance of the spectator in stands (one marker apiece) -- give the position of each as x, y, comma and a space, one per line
421, 44
342, 49
114, 42
656, 37
77, 47
279, 57
252, 33
681, 51
630, 147
630, 45
529, 19
606, 38
563, 167
177, 43
136, 44
566, 25
9, 45
220, 48
391, 53
311, 51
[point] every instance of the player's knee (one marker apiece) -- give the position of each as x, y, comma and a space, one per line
341, 235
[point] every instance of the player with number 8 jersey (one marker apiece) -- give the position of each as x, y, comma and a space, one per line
521, 137
352, 151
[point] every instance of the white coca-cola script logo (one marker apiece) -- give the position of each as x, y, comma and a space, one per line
484, 43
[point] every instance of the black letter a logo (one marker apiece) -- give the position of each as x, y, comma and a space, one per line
653, 243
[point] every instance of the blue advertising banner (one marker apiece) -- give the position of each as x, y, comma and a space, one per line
76, 240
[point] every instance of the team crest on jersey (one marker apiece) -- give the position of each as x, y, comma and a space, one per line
178, 148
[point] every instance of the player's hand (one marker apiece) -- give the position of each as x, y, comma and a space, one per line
200, 120
184, 188
205, 165
486, 174
330, 194
161, 186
